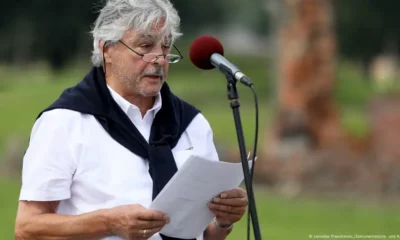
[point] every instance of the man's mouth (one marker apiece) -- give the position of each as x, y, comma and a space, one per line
158, 77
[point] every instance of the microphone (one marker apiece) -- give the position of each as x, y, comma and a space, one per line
207, 52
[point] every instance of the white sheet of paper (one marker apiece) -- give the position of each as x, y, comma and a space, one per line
186, 196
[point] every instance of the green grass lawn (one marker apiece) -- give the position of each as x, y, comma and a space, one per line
280, 218
9, 191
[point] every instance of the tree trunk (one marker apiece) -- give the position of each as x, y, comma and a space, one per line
307, 118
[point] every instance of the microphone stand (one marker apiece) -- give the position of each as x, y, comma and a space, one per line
233, 97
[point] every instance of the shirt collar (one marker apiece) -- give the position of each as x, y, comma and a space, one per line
125, 105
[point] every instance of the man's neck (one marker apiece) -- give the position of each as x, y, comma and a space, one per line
143, 103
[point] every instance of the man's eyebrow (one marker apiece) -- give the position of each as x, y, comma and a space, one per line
167, 40
142, 37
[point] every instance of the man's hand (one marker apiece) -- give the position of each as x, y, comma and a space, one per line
229, 206
135, 221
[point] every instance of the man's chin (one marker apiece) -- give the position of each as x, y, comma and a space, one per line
150, 92
150, 88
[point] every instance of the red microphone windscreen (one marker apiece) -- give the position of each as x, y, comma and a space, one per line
201, 50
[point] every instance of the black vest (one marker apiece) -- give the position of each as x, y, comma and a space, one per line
91, 96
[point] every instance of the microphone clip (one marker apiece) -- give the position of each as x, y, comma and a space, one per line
233, 95
235, 76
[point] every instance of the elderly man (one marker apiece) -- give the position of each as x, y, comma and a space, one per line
102, 152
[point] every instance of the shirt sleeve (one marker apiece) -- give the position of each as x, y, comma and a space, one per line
50, 161
201, 136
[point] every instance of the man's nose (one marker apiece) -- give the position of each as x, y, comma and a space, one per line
161, 60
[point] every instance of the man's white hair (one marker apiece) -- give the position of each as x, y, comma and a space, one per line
118, 16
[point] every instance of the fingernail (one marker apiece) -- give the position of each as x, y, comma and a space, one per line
216, 200
223, 195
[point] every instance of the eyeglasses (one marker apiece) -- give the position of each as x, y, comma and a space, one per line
153, 57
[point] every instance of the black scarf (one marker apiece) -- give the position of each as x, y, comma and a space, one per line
91, 96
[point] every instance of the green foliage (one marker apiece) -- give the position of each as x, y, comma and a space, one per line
367, 27
355, 123
353, 92
58, 32
9, 191
352, 87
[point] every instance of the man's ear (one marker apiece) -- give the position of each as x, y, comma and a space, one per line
105, 49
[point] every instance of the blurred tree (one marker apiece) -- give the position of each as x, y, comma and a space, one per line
367, 28
252, 16
307, 118
59, 39
200, 14
45, 30
56, 31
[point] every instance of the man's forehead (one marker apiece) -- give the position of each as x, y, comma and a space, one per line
149, 36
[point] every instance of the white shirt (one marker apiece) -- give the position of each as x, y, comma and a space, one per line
72, 159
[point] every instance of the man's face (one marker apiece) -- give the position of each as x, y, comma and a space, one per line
138, 76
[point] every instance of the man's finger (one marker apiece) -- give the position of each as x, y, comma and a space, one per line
152, 215
235, 202
141, 224
234, 193
225, 215
227, 209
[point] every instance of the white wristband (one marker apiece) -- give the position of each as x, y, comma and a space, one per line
225, 228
